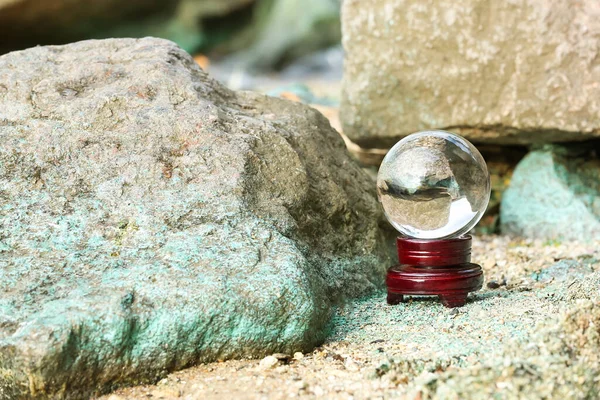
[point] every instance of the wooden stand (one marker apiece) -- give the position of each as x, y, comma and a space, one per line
439, 267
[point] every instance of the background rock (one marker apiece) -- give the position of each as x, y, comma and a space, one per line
151, 219
497, 72
554, 194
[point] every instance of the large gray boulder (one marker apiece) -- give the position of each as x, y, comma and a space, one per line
554, 193
515, 72
151, 219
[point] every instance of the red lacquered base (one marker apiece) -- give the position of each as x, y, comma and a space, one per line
439, 267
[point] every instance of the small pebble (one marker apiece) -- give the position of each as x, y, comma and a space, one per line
350, 365
298, 356
282, 357
268, 362
493, 285
318, 391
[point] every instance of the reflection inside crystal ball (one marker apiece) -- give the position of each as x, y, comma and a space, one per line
433, 185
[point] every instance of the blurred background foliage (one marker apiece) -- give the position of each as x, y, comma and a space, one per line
263, 34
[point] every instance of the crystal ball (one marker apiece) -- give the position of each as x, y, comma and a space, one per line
433, 185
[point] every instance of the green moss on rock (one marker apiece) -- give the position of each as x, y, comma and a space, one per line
554, 194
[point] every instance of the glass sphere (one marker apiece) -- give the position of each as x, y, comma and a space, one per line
433, 185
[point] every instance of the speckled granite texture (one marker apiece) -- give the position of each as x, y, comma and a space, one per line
151, 219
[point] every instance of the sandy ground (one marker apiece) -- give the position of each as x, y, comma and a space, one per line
381, 351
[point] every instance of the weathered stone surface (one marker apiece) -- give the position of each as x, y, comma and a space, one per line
522, 71
554, 194
151, 219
